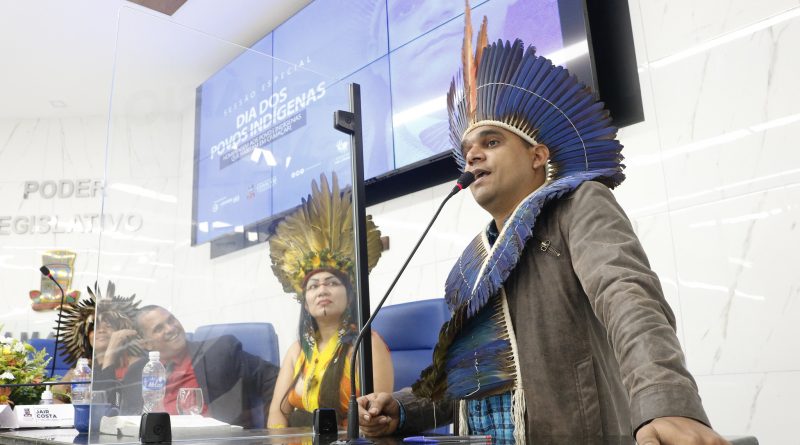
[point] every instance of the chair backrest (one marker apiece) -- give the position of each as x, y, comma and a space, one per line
49, 345
411, 331
257, 338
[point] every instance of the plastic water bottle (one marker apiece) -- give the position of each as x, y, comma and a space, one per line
154, 384
81, 391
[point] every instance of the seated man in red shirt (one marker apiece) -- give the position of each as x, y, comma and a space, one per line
233, 381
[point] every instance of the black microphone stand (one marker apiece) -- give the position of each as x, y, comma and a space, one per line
46, 272
350, 123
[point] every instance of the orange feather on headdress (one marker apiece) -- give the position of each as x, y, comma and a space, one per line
471, 62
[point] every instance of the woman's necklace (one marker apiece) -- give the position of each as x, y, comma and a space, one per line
320, 358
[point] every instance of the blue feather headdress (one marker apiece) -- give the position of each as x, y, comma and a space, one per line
513, 88
542, 103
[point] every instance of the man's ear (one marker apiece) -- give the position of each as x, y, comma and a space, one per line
541, 154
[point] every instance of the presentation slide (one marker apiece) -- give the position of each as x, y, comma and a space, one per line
264, 126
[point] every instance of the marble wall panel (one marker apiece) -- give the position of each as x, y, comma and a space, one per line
736, 261
752, 404
674, 26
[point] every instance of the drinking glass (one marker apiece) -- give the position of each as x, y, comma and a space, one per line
98, 397
190, 401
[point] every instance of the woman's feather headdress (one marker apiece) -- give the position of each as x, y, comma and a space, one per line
79, 320
77, 323
319, 236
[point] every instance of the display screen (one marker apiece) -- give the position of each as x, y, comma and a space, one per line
264, 126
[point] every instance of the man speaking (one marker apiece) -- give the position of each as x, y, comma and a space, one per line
560, 331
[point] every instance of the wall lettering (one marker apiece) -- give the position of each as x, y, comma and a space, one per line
77, 223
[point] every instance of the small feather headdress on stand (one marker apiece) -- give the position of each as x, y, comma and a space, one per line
80, 319
319, 236
509, 86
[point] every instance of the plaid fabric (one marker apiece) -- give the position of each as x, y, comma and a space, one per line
492, 416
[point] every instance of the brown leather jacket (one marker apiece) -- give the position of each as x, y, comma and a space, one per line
596, 339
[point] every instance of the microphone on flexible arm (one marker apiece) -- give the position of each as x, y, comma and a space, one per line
46, 272
463, 182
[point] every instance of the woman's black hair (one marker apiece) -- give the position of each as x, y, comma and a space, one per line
87, 346
331, 379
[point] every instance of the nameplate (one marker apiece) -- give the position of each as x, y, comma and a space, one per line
37, 416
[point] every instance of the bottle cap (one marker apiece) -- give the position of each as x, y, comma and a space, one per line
47, 395
154, 355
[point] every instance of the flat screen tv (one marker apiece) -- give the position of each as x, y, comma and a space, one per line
264, 125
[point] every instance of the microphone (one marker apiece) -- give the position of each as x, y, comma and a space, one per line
46, 272
463, 182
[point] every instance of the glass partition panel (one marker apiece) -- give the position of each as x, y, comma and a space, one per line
50, 216
51, 185
210, 145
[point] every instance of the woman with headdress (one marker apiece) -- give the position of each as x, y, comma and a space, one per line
102, 330
312, 255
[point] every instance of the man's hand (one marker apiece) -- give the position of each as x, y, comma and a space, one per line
677, 430
117, 344
378, 414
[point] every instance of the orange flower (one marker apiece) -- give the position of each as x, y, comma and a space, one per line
4, 393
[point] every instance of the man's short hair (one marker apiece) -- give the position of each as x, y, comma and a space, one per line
146, 310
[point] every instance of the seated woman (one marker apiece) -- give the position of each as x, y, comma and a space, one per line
102, 330
116, 340
312, 251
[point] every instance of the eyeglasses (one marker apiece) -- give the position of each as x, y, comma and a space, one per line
327, 283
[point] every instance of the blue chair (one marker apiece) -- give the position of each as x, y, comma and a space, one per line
49, 344
258, 339
411, 331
